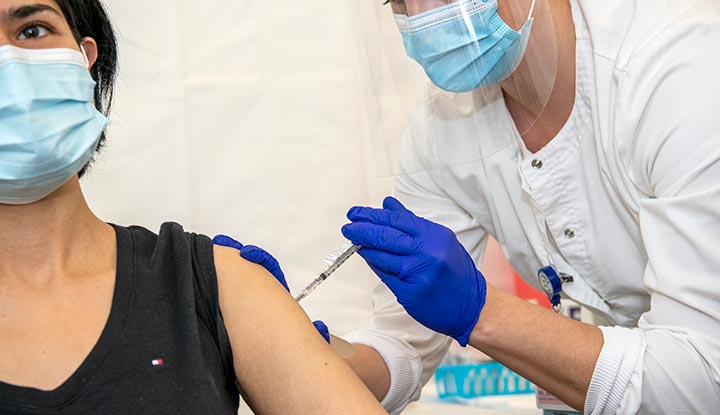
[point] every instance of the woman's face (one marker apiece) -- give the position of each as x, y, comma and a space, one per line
34, 24
39, 24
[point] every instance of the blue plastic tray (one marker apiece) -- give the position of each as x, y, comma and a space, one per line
458, 382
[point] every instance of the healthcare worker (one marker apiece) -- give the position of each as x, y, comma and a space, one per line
602, 186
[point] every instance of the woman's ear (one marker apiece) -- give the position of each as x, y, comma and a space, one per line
90, 48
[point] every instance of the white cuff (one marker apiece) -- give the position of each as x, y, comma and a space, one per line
403, 362
614, 369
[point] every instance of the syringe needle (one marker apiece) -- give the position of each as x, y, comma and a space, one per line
311, 287
337, 259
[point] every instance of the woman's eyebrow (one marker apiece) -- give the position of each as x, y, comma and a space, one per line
28, 10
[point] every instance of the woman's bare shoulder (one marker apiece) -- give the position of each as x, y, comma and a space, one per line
281, 362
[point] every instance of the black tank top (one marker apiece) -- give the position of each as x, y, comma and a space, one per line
164, 349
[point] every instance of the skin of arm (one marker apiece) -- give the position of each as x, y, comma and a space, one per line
523, 336
519, 334
550, 350
280, 361
370, 367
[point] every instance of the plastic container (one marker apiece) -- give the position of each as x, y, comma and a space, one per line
463, 382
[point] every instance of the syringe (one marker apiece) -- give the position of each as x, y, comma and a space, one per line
334, 261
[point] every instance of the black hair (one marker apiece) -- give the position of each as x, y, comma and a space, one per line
89, 18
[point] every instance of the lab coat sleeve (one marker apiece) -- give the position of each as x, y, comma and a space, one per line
669, 103
411, 351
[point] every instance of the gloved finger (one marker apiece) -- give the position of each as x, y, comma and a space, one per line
402, 220
322, 329
391, 203
259, 256
379, 237
224, 240
388, 263
368, 214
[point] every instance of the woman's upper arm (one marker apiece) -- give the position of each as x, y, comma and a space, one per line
282, 364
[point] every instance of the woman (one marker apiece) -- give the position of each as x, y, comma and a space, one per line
604, 190
105, 319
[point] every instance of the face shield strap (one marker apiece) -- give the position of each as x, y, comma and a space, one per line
436, 17
462, 9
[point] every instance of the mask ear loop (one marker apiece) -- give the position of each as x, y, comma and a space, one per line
532, 9
87, 61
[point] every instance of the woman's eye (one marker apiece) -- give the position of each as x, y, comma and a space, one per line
34, 31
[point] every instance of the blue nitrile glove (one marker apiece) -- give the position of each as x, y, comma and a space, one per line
260, 256
255, 255
423, 263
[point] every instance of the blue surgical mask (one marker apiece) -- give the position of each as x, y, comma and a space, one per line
49, 126
464, 45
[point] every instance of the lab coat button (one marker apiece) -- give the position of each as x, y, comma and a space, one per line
537, 164
569, 233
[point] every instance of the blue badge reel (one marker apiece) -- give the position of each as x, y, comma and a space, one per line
552, 282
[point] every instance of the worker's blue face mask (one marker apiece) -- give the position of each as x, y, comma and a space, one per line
49, 127
464, 45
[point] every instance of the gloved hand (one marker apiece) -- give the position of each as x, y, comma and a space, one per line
260, 256
423, 263
255, 255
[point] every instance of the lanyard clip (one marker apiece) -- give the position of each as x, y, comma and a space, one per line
551, 282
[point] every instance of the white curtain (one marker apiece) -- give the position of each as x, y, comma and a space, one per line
243, 117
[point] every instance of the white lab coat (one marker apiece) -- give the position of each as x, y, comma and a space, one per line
627, 201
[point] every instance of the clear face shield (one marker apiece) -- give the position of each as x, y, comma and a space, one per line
439, 76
